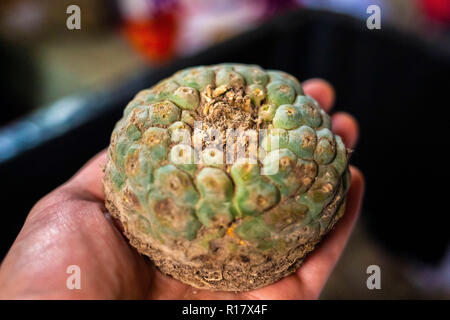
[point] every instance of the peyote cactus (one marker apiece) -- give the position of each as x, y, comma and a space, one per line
226, 176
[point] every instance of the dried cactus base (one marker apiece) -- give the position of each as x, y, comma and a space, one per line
242, 273
214, 223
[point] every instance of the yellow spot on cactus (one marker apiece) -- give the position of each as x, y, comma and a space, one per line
152, 140
261, 200
327, 187
174, 185
230, 232
211, 183
247, 105
132, 164
290, 111
284, 161
284, 88
206, 109
219, 91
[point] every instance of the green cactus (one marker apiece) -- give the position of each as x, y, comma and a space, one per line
218, 221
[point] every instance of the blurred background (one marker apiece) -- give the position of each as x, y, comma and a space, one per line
62, 90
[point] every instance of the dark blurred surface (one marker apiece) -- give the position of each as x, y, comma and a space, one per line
395, 84
18, 83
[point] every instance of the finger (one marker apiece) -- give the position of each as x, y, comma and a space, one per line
347, 127
288, 288
90, 176
318, 266
322, 91
165, 288
309, 280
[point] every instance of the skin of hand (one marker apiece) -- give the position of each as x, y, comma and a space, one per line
70, 226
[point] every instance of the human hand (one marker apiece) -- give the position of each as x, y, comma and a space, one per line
70, 226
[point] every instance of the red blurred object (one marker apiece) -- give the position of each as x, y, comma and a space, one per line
162, 28
155, 37
438, 10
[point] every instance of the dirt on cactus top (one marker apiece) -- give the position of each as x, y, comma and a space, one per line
227, 108
224, 108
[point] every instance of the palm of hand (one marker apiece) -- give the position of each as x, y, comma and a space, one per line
70, 226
